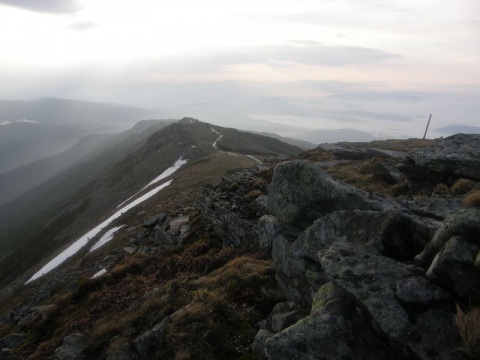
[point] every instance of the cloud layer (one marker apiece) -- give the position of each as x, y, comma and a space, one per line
45, 6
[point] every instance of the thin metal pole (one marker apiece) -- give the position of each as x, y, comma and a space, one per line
427, 127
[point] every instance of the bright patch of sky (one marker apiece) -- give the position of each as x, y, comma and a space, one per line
142, 52
83, 240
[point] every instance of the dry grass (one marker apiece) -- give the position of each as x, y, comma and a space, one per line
468, 325
223, 307
441, 189
472, 199
463, 186
362, 177
395, 144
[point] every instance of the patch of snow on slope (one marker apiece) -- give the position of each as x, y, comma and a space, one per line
98, 274
105, 238
178, 164
81, 242
6, 122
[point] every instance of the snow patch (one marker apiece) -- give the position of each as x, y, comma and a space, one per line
105, 238
178, 164
98, 274
82, 241
6, 122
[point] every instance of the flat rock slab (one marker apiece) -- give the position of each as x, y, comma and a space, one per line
371, 281
335, 332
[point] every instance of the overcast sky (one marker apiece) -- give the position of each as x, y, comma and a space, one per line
378, 66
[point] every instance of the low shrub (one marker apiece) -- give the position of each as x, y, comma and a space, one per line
463, 186
468, 325
472, 199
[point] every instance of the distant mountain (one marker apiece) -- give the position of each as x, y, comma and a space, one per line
66, 111
305, 145
22, 142
332, 136
31, 130
19, 180
458, 129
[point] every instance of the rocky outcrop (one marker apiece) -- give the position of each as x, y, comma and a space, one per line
452, 256
232, 207
72, 347
12, 341
457, 156
301, 192
380, 280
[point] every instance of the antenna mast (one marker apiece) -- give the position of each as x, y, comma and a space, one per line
427, 126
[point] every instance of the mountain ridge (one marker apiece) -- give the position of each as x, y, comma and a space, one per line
341, 234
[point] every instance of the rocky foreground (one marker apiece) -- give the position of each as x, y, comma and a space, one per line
386, 269
368, 276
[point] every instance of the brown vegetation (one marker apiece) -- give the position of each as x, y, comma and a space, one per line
223, 294
472, 199
463, 186
468, 324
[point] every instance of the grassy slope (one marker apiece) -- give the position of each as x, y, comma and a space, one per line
225, 293
56, 214
253, 144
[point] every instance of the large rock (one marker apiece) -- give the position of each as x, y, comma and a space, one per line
301, 192
231, 228
12, 341
391, 233
388, 291
370, 280
72, 347
284, 315
233, 210
454, 267
151, 339
453, 157
335, 332
464, 223
434, 207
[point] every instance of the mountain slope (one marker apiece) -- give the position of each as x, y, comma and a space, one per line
39, 128
22, 143
22, 179
55, 213
66, 111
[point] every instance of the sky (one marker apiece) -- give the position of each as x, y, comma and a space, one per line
282, 66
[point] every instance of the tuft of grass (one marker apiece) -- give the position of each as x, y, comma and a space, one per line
468, 325
441, 189
463, 186
472, 199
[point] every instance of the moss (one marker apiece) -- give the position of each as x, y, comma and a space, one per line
325, 294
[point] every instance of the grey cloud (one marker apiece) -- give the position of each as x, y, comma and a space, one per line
378, 116
82, 25
304, 42
380, 96
276, 56
45, 6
